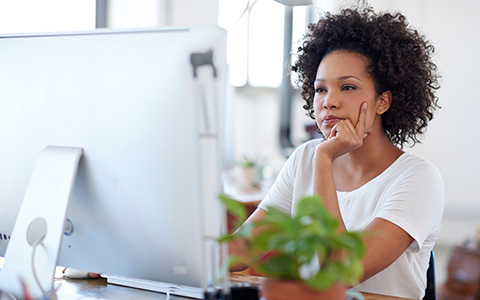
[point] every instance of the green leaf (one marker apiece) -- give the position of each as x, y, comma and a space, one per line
234, 207
227, 263
354, 268
353, 242
274, 216
226, 238
308, 206
245, 230
340, 272
296, 240
232, 260
263, 240
279, 266
321, 281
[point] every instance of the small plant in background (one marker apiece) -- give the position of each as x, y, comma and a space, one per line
247, 162
249, 174
294, 241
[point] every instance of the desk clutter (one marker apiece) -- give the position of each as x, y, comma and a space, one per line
249, 292
463, 273
463, 278
68, 289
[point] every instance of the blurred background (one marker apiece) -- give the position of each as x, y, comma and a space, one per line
265, 112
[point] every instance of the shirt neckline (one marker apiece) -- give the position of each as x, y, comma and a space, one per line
373, 181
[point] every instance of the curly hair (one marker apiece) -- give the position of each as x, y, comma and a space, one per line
399, 61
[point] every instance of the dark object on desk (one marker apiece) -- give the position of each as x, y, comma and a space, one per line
249, 292
463, 277
245, 293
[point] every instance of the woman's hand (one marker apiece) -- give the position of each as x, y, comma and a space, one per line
344, 137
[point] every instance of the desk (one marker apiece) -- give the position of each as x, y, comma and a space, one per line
238, 277
99, 289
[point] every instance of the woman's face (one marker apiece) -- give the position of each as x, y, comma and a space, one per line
341, 86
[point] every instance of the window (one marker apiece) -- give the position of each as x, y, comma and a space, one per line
256, 41
46, 16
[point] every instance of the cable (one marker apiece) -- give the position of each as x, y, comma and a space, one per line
248, 8
34, 246
10, 295
168, 294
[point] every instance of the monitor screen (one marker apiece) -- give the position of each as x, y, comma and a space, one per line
146, 107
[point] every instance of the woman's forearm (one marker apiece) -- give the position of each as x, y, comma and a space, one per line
324, 186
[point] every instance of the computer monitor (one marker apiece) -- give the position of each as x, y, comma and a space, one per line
145, 108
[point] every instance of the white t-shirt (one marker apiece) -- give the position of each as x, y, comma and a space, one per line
409, 193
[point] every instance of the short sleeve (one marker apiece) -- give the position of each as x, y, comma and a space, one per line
415, 203
285, 187
281, 192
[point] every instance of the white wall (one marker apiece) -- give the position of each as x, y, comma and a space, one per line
454, 140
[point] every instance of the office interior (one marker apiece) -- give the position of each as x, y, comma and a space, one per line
258, 108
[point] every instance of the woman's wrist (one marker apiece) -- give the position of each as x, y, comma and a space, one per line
322, 159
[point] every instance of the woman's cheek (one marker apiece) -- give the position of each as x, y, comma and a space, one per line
316, 102
316, 107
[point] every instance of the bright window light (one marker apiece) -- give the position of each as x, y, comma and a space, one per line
22, 16
255, 42
237, 39
265, 64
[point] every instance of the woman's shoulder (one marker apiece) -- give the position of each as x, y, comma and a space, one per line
308, 147
303, 153
411, 159
413, 164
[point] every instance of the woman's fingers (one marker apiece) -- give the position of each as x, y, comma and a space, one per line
362, 121
345, 137
344, 131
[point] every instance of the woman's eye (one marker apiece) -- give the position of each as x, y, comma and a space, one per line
348, 87
319, 90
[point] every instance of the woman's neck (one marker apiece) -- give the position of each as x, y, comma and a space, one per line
361, 165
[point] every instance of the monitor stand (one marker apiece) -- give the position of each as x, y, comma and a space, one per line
32, 253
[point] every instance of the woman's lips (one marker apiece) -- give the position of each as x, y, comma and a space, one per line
329, 120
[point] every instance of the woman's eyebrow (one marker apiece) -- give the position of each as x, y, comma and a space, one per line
348, 77
341, 78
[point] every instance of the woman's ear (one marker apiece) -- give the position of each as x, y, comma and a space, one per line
384, 102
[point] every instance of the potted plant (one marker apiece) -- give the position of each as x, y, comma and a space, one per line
247, 174
293, 242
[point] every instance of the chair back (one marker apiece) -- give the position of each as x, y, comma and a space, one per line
431, 290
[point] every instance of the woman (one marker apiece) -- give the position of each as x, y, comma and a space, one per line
369, 82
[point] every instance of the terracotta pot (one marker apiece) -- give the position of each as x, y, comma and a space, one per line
276, 289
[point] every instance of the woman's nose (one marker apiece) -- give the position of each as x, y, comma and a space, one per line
331, 101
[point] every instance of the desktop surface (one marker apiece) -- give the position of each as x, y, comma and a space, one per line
99, 289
